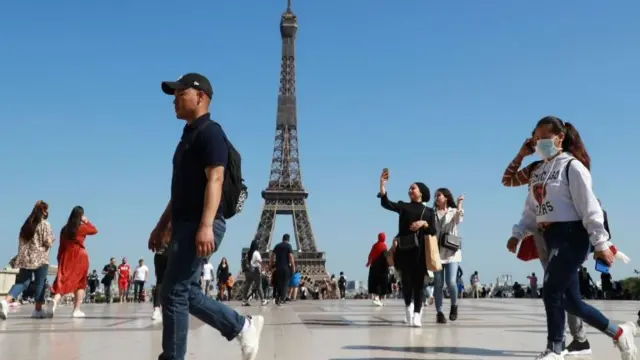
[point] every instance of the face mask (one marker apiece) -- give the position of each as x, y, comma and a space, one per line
546, 148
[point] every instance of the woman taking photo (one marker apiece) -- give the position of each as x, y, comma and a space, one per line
416, 220
515, 176
73, 261
253, 275
448, 215
34, 242
562, 206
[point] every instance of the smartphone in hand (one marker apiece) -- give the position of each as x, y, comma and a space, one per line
385, 173
601, 266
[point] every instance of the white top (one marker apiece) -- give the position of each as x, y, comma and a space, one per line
447, 223
207, 271
553, 197
256, 259
141, 273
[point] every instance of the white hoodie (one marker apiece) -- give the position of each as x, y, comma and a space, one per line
553, 197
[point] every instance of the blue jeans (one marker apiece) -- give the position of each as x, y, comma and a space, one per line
23, 281
568, 246
181, 294
448, 273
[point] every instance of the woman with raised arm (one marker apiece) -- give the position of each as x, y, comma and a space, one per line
449, 215
73, 261
415, 221
513, 177
34, 242
561, 206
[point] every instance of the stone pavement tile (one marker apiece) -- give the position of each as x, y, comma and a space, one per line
323, 330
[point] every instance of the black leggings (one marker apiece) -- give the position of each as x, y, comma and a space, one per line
160, 265
412, 272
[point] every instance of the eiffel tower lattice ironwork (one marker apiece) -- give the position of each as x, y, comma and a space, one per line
285, 194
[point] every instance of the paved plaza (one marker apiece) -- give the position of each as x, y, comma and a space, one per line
323, 330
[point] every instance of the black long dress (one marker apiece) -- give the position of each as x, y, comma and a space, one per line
379, 275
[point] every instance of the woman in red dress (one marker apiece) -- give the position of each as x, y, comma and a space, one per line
73, 261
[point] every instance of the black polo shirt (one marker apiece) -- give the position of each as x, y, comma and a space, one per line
202, 145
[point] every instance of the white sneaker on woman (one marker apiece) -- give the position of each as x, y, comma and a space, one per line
408, 314
4, 309
626, 342
77, 313
417, 319
38, 314
549, 355
157, 314
51, 308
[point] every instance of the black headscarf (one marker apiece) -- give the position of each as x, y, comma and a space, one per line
424, 189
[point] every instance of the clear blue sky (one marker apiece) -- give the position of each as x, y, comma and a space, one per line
441, 92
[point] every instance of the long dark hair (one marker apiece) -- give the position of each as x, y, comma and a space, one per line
75, 218
252, 248
39, 212
451, 203
572, 142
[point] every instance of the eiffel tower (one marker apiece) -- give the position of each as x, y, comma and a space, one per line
285, 194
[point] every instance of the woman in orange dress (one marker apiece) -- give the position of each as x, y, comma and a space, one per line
73, 261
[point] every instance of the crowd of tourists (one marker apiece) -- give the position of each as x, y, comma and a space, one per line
561, 224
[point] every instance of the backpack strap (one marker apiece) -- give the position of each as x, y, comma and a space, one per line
566, 170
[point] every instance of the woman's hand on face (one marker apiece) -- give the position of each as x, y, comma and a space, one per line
418, 225
527, 148
84, 219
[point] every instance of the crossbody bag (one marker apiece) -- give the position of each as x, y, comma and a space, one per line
411, 241
447, 240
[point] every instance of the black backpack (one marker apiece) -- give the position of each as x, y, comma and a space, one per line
234, 191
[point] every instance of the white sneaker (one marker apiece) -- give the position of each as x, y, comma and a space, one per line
157, 314
51, 308
626, 342
4, 309
77, 313
408, 314
377, 302
265, 302
250, 338
417, 319
38, 314
549, 355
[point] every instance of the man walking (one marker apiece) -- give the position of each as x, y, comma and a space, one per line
281, 260
198, 226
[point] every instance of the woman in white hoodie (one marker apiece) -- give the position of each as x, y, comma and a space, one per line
561, 206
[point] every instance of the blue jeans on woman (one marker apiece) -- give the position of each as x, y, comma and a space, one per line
448, 275
24, 279
181, 294
568, 246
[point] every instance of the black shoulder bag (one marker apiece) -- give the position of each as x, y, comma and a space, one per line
411, 241
449, 241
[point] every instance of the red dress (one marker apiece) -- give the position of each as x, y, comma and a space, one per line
73, 262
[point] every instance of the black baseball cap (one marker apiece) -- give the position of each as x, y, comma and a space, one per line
190, 80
